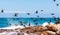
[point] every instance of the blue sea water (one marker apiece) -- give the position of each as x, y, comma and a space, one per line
5, 22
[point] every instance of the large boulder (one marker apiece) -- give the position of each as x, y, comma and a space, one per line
51, 32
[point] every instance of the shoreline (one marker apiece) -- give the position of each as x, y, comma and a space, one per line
46, 29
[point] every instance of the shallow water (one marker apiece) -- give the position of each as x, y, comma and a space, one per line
5, 22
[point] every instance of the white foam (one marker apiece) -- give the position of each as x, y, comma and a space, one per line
13, 27
46, 23
31, 24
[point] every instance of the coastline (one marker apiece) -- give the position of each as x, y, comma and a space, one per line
23, 30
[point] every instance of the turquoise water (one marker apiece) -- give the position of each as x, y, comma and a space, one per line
5, 22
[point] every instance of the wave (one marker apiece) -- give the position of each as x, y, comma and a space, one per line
19, 26
46, 23
13, 27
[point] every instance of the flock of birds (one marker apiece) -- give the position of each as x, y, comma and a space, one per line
36, 21
16, 14
36, 12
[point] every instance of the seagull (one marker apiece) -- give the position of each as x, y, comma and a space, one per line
36, 24
52, 13
35, 20
28, 13
15, 14
41, 10
54, 0
36, 12
2, 10
38, 16
57, 4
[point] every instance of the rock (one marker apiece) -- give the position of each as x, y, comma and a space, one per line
51, 32
58, 32
33, 34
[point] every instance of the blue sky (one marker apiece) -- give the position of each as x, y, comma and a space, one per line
24, 6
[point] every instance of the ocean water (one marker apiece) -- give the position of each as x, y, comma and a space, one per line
5, 22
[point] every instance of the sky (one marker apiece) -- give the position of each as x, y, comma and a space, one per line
24, 6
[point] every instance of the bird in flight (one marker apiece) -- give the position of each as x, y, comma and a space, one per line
15, 14
52, 13
36, 12
2, 11
54, 0
38, 16
41, 10
28, 13
57, 4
